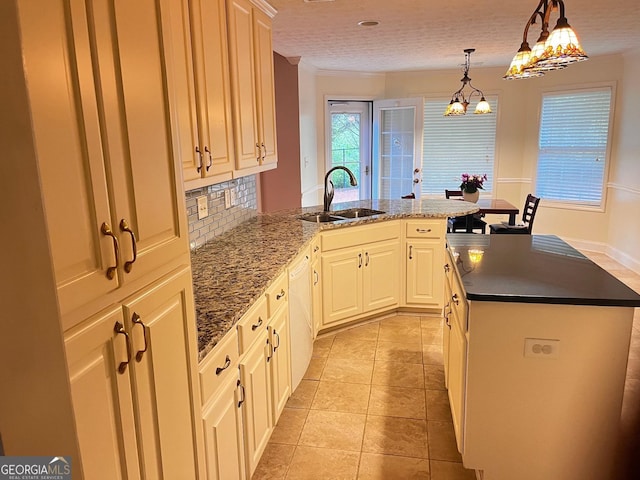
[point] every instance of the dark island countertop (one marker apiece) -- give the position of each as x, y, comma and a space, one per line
534, 269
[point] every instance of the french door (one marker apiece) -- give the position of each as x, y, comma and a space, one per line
350, 146
397, 148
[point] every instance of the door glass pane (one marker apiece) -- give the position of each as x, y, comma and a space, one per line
345, 151
396, 163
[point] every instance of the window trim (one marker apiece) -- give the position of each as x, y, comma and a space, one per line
579, 88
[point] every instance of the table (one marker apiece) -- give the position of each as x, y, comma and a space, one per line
494, 205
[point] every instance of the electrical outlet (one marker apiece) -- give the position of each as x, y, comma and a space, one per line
227, 198
234, 197
541, 347
203, 207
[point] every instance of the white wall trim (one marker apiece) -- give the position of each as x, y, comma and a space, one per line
624, 188
599, 247
513, 180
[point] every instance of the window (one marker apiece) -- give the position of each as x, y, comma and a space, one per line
572, 146
456, 145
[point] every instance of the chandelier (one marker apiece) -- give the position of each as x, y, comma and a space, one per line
552, 51
460, 102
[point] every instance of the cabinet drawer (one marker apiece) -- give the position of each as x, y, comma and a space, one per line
354, 236
218, 365
315, 248
278, 294
252, 324
425, 228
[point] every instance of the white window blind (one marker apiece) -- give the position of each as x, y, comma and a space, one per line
572, 146
456, 145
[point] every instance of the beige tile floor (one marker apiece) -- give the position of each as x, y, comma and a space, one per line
372, 405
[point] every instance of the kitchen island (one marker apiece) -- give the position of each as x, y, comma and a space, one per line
536, 340
233, 270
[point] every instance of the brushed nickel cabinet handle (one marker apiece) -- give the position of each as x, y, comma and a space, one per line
138, 321
199, 159
124, 227
256, 325
206, 149
119, 329
280, 295
105, 229
227, 363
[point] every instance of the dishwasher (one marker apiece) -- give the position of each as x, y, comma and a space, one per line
300, 321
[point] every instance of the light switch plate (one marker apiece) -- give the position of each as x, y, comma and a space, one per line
203, 207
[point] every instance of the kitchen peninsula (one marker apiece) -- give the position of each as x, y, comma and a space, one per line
232, 271
537, 337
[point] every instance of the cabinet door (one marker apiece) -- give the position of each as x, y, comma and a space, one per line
222, 420
316, 292
265, 87
67, 133
341, 285
243, 84
255, 376
279, 337
446, 330
101, 395
381, 275
456, 376
425, 279
146, 187
209, 40
161, 321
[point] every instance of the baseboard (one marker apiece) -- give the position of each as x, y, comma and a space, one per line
623, 258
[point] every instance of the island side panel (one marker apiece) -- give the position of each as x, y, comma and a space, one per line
544, 416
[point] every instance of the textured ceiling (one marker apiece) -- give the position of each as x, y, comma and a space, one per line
430, 34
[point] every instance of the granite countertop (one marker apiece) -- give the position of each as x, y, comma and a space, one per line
231, 271
534, 269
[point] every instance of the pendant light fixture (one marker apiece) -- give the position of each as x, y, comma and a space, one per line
460, 102
552, 51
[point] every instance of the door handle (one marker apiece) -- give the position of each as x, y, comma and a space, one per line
105, 229
119, 329
135, 318
124, 227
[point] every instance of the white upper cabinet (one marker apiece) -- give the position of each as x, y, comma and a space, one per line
252, 85
100, 109
198, 44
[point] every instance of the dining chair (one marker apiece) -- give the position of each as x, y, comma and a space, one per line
526, 226
455, 224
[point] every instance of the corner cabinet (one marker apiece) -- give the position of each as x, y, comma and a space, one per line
131, 386
361, 271
252, 85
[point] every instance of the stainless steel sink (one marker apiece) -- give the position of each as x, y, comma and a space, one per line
320, 217
357, 213
323, 217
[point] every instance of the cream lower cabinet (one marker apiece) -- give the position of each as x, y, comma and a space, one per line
222, 420
316, 294
280, 342
131, 381
360, 279
424, 257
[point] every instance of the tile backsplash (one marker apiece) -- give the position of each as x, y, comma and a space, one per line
242, 192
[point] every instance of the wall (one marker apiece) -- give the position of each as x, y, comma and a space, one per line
607, 230
308, 135
338, 86
279, 189
624, 184
221, 219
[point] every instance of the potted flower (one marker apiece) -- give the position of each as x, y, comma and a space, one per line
470, 186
